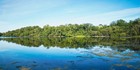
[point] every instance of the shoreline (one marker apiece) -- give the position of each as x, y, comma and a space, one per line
70, 36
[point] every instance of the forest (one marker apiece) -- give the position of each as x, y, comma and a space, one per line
119, 28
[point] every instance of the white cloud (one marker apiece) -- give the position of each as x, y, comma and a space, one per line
106, 18
18, 8
16, 13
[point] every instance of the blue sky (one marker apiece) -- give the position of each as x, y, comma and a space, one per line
20, 13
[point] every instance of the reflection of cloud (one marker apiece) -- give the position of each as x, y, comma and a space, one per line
102, 51
3, 49
107, 51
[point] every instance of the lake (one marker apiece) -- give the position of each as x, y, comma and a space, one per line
69, 53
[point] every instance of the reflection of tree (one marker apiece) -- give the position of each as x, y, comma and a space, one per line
73, 42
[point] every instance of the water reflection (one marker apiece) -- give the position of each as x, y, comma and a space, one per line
69, 54
120, 43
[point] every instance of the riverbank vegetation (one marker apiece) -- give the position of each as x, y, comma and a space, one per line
119, 28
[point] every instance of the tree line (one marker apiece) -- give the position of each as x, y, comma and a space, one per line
119, 28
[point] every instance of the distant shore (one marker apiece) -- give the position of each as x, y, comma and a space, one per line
70, 36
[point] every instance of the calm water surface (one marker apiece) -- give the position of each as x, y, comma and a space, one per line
69, 54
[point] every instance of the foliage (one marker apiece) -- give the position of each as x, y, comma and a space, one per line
119, 28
